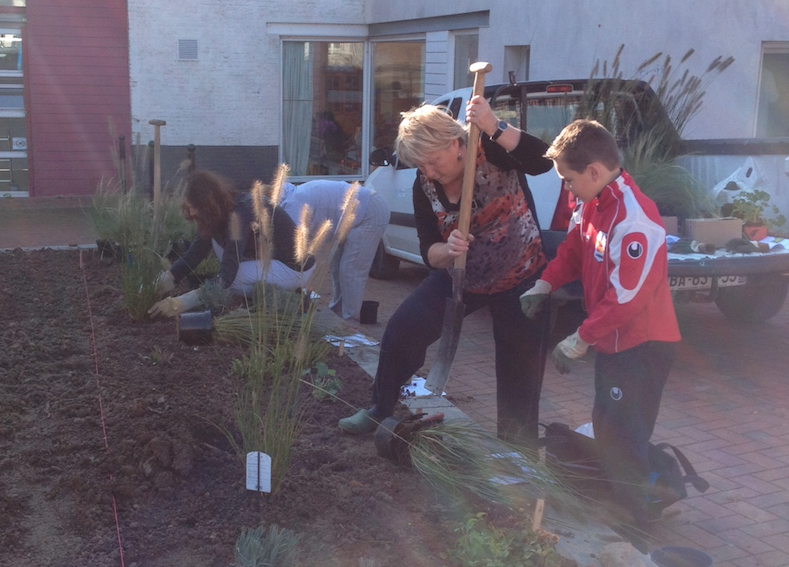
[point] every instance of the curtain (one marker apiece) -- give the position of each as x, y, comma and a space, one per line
297, 105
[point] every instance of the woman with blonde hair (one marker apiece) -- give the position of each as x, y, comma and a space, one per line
504, 259
226, 224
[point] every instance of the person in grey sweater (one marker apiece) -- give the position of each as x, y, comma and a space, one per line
350, 264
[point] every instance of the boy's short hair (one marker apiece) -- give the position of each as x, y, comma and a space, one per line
583, 142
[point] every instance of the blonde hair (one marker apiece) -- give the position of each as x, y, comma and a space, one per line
424, 130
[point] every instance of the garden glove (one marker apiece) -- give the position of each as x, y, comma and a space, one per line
570, 349
172, 306
533, 299
165, 283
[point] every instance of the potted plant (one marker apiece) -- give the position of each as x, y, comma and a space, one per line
750, 206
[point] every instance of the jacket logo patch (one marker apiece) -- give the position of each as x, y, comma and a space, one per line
634, 257
599, 246
635, 250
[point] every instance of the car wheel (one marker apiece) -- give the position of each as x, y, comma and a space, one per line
384, 266
753, 302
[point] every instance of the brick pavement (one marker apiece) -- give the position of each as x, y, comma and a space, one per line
725, 405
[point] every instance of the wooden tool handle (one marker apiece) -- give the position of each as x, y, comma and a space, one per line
469, 173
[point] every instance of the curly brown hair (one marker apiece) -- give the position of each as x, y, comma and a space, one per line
213, 198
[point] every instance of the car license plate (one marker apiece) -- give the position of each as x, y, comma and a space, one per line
677, 283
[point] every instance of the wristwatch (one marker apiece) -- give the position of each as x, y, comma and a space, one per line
501, 126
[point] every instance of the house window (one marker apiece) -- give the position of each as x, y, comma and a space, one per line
325, 116
13, 134
399, 85
516, 61
322, 107
466, 53
772, 117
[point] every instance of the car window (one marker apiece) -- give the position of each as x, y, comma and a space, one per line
546, 116
454, 109
507, 108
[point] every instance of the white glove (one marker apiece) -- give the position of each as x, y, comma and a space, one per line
165, 283
568, 350
172, 306
573, 347
533, 299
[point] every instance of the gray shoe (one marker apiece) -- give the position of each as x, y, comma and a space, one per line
359, 423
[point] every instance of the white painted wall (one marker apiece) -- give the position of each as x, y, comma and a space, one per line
568, 36
230, 96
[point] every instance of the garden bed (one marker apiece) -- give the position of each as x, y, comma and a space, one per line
110, 438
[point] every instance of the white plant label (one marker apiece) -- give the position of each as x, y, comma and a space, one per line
258, 471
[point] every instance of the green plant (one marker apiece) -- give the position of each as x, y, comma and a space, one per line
158, 357
140, 237
208, 268
751, 206
461, 459
482, 544
650, 130
325, 382
215, 297
268, 407
277, 548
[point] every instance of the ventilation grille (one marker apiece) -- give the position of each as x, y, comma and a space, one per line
187, 50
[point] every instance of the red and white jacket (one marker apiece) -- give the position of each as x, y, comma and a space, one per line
616, 245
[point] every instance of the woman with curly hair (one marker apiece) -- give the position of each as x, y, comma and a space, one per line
226, 222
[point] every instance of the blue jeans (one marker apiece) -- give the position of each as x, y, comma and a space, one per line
521, 347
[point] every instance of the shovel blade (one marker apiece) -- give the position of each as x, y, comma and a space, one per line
447, 347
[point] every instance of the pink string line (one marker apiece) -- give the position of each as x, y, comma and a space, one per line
101, 407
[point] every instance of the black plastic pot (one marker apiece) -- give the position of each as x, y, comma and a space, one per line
109, 250
195, 328
369, 313
394, 435
680, 557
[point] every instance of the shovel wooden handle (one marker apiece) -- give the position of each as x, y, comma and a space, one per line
469, 173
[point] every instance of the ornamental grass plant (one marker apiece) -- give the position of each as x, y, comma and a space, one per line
269, 407
141, 235
650, 131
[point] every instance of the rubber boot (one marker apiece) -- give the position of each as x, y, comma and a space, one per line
363, 421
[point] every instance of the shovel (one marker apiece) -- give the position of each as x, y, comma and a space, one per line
455, 308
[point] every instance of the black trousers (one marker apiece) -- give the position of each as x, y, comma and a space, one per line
520, 343
628, 389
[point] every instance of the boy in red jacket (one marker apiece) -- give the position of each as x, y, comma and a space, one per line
616, 245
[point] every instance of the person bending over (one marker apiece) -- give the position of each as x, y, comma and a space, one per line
350, 264
226, 224
505, 257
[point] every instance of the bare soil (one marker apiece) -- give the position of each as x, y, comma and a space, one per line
111, 449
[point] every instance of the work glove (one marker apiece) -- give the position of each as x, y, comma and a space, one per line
702, 247
165, 283
172, 306
570, 349
533, 299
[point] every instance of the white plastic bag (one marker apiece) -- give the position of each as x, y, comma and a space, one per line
748, 177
